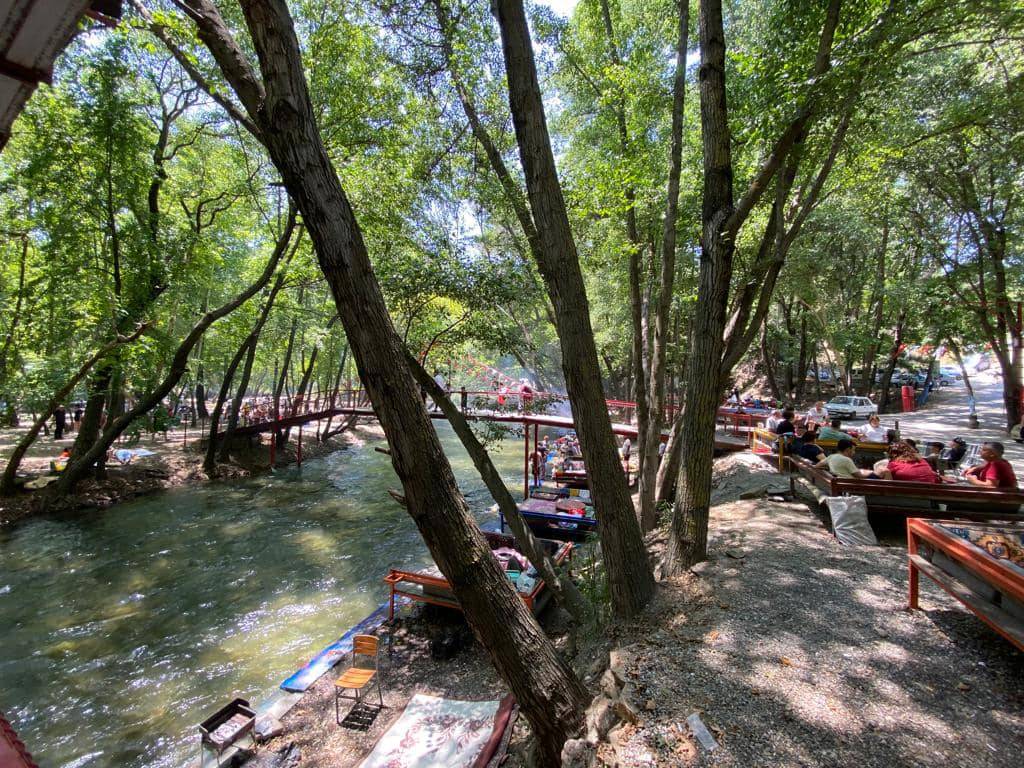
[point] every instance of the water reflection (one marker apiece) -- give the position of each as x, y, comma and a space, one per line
118, 630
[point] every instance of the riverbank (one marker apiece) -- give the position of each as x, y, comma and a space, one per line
176, 461
791, 649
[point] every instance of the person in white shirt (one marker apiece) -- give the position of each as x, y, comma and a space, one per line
874, 432
773, 421
817, 415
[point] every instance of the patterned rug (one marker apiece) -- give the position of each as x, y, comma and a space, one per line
442, 733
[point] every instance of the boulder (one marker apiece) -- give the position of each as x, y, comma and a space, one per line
576, 753
268, 728
600, 718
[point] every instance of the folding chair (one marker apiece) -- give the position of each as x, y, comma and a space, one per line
972, 458
357, 677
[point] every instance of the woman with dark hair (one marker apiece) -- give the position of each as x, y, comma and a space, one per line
905, 463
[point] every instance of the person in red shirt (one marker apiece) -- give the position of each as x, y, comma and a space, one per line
996, 472
905, 463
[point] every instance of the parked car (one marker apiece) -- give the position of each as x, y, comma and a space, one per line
850, 407
951, 372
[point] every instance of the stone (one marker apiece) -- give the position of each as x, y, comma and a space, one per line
268, 728
701, 568
617, 665
600, 718
576, 753
610, 686
626, 707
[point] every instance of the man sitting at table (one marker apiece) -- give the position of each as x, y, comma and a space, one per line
834, 432
817, 415
996, 472
841, 463
786, 426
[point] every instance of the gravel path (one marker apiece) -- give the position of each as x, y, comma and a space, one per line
799, 652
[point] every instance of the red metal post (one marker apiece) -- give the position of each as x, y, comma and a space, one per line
526, 460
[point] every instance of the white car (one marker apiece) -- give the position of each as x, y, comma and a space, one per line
850, 407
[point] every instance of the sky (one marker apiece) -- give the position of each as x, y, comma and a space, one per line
564, 7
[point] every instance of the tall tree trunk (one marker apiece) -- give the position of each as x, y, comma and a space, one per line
890, 366
801, 368
631, 582
721, 221
636, 250
878, 311
550, 695
955, 349
687, 542
769, 364
649, 465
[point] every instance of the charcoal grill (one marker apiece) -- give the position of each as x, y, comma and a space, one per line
226, 727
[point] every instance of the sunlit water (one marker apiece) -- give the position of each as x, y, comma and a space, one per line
120, 630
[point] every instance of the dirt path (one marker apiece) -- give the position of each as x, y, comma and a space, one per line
799, 652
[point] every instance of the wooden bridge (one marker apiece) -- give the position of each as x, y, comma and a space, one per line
526, 409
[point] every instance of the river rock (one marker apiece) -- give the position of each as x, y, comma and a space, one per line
576, 753
610, 686
626, 707
268, 728
617, 665
600, 718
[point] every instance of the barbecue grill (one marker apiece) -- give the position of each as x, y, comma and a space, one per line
226, 727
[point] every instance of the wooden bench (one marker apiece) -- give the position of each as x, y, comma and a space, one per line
991, 587
902, 498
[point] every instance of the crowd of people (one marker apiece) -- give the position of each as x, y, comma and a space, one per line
939, 464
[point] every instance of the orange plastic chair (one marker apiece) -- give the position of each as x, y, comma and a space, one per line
357, 677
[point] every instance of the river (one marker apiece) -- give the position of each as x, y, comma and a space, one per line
120, 630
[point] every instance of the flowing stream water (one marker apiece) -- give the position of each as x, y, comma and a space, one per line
121, 630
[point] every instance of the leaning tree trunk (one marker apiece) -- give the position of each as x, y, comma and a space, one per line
550, 695
79, 465
631, 582
246, 351
564, 590
7, 485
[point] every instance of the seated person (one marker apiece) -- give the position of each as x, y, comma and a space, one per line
996, 472
841, 463
817, 415
905, 463
874, 432
772, 421
61, 462
786, 426
934, 455
834, 432
808, 449
954, 451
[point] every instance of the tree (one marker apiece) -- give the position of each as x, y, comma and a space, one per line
278, 104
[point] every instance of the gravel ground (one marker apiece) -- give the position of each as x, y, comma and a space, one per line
799, 652
312, 733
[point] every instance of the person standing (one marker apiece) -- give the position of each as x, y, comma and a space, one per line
60, 419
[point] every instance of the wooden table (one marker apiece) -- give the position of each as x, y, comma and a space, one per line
980, 564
